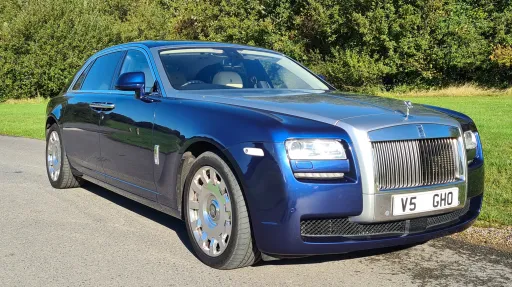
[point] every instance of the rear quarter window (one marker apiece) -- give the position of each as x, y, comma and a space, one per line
81, 78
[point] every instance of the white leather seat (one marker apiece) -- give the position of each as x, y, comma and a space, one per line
227, 78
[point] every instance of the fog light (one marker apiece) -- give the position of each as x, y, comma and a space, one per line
319, 175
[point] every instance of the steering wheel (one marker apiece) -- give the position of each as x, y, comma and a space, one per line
192, 82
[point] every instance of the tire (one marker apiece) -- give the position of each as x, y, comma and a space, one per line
57, 165
239, 248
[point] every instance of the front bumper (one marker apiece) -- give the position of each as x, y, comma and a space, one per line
278, 202
286, 239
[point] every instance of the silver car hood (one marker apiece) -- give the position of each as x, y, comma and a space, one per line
363, 112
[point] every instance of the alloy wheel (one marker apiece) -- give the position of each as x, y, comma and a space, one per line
53, 156
209, 207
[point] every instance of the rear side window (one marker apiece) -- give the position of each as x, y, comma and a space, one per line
135, 61
102, 71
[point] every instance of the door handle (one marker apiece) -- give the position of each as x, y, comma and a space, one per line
102, 106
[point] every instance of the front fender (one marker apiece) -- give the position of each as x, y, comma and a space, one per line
179, 124
465, 121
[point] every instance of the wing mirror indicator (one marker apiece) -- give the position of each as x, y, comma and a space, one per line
132, 81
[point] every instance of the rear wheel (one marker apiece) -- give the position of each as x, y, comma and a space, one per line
57, 165
216, 215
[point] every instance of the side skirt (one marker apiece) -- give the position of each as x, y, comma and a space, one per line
141, 200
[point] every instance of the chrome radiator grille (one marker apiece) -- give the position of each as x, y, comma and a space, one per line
412, 163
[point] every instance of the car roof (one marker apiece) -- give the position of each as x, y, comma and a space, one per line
182, 44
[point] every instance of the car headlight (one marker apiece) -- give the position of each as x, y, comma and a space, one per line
314, 149
471, 143
470, 140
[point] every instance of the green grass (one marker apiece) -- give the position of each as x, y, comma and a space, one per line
23, 118
491, 111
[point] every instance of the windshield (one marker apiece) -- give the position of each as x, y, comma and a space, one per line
230, 68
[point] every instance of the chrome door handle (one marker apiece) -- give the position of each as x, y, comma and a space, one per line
102, 106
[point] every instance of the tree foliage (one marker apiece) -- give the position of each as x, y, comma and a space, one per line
356, 44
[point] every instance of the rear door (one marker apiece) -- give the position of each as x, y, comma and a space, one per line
126, 142
83, 111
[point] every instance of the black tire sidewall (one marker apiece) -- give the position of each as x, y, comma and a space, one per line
218, 164
58, 182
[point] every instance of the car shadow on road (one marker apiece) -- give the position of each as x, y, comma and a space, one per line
150, 213
179, 227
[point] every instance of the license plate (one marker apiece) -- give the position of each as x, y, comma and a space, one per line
425, 201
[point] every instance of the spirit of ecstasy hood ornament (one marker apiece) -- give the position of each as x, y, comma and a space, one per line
409, 106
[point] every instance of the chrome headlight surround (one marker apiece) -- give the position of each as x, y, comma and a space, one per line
315, 149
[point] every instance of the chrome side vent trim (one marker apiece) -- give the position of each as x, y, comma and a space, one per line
412, 163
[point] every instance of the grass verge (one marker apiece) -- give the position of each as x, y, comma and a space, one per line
24, 118
491, 110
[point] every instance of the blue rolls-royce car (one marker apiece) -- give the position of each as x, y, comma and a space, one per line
259, 156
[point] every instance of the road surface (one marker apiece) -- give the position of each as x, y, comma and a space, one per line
92, 237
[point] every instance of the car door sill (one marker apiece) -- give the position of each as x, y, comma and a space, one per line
139, 199
130, 184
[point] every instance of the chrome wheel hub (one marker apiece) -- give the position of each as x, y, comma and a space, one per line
53, 156
209, 209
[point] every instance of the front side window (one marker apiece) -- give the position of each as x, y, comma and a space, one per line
231, 68
101, 73
135, 61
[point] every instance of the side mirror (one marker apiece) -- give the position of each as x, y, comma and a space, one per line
132, 81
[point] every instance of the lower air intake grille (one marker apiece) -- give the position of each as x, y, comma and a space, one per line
344, 227
447, 217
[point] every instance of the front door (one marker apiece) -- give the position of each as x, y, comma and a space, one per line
126, 139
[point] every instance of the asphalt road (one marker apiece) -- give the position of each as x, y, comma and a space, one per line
92, 237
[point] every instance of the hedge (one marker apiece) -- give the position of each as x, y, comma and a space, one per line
357, 44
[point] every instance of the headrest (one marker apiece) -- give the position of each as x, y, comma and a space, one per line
227, 78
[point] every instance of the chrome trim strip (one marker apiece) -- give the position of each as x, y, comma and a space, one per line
410, 132
128, 183
102, 106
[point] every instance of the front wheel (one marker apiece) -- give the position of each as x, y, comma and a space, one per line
57, 165
216, 215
